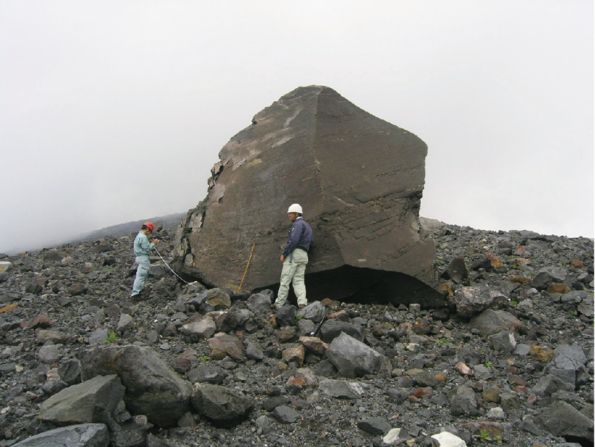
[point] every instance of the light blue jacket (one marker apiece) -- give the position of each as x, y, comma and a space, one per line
142, 247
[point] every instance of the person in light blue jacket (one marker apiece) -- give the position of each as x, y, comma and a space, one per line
142, 248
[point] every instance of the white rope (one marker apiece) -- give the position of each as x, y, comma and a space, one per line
170, 269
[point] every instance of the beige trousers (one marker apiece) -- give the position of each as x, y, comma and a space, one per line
294, 269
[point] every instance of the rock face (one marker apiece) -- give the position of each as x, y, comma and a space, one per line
360, 181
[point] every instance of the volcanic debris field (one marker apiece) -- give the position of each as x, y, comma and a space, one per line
509, 360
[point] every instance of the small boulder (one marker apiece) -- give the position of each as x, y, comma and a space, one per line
76, 404
339, 389
226, 345
472, 300
331, 329
493, 321
463, 401
374, 426
562, 419
352, 358
222, 406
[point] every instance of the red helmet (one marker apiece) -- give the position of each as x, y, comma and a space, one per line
150, 226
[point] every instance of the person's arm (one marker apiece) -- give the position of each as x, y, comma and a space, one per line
294, 237
145, 245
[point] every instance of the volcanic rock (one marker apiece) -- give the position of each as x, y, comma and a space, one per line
353, 358
152, 387
76, 404
549, 373
564, 420
88, 435
222, 406
360, 182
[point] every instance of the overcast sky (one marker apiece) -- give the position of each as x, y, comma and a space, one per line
115, 111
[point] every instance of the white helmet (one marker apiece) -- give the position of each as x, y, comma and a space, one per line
295, 208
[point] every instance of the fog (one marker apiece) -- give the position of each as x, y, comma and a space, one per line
115, 111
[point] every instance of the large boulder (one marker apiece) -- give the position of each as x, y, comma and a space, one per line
360, 181
152, 387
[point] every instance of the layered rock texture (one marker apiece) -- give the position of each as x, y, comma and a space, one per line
360, 181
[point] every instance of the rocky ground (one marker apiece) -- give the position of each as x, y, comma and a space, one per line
509, 360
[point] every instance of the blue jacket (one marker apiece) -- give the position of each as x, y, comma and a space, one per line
142, 247
300, 236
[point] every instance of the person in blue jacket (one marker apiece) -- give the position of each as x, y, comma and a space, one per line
142, 248
295, 258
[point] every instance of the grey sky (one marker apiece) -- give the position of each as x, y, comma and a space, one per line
115, 111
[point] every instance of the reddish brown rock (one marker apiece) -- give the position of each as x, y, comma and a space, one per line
222, 345
341, 315
555, 287
41, 321
294, 355
541, 353
314, 344
422, 392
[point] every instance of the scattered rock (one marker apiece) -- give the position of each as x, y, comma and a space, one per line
222, 406
430, 353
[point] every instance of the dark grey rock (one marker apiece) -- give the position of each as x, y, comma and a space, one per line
586, 306
50, 353
463, 401
81, 435
374, 426
493, 321
570, 357
328, 142
265, 424
34, 288
562, 419
548, 275
274, 402
76, 404
314, 311
352, 358
472, 300
222, 406
207, 374
340, 389
456, 270
426, 379
575, 296
286, 316
98, 337
285, 415
504, 341
252, 352
550, 384
152, 387
331, 329
259, 303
